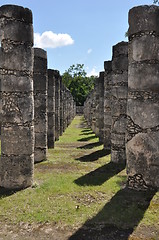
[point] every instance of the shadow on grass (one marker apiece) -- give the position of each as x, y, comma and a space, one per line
84, 139
86, 133
91, 145
87, 130
6, 192
93, 156
118, 218
100, 175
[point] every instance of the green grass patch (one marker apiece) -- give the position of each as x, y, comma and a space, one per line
78, 185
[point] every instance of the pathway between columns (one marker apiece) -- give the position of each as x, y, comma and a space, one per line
78, 194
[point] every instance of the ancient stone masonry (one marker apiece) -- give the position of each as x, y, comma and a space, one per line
65, 108
61, 106
79, 110
16, 70
69, 107
51, 109
96, 109
142, 145
90, 109
101, 107
119, 82
57, 104
107, 105
40, 104
0, 96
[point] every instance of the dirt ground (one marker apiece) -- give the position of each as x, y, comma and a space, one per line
90, 232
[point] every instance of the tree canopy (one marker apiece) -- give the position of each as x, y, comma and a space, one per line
77, 81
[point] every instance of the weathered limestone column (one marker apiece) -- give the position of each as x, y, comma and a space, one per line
61, 107
94, 109
65, 108
51, 109
96, 129
57, 104
101, 107
40, 104
0, 94
143, 98
107, 105
17, 146
119, 101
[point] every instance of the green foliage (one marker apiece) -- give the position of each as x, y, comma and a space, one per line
76, 80
156, 1
126, 34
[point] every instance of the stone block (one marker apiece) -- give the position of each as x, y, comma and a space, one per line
14, 108
17, 172
17, 140
145, 19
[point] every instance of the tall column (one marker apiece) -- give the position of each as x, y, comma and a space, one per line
17, 146
51, 109
40, 104
101, 107
0, 93
61, 107
94, 108
119, 101
107, 105
64, 109
96, 102
143, 98
57, 104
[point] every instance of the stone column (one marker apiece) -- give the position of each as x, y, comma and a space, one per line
51, 109
143, 98
64, 109
96, 104
101, 107
40, 104
17, 145
107, 105
57, 104
61, 107
119, 101
0, 94
94, 108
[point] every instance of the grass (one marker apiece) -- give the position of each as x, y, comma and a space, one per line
74, 189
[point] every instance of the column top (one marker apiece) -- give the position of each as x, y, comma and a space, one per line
143, 18
120, 48
16, 12
108, 65
39, 52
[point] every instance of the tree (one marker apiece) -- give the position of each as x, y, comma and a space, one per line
76, 80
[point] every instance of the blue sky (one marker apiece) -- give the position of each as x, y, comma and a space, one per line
79, 31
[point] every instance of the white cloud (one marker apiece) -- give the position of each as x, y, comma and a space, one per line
89, 50
93, 72
49, 39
